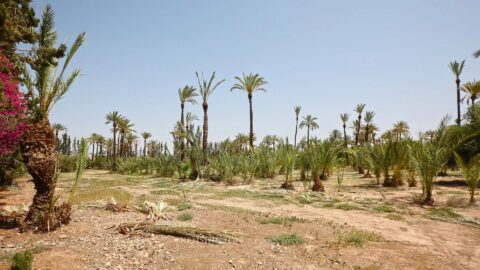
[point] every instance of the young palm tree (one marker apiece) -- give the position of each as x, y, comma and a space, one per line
250, 83
206, 89
359, 109
297, 110
400, 128
113, 118
471, 172
186, 94
457, 69
145, 136
48, 85
472, 89
310, 123
368, 123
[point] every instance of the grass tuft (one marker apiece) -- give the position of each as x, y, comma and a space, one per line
359, 238
286, 239
285, 221
445, 213
184, 206
384, 208
185, 217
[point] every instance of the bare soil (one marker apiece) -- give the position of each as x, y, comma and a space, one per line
408, 236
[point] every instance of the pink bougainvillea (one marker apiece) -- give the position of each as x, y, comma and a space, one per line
12, 108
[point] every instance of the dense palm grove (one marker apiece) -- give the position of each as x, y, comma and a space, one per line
394, 157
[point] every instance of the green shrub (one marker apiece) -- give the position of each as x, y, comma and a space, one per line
286, 239
285, 221
185, 217
444, 212
384, 208
22, 261
184, 206
359, 238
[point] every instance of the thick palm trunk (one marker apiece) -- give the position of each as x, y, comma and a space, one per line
296, 130
308, 136
366, 134
93, 152
40, 158
145, 147
428, 199
251, 120
182, 143
458, 101
358, 129
205, 133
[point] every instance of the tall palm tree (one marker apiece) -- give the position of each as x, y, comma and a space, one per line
457, 69
145, 136
310, 123
297, 110
186, 94
47, 86
113, 118
472, 89
131, 139
124, 128
359, 109
206, 89
344, 117
400, 128
93, 139
250, 83
58, 127
368, 123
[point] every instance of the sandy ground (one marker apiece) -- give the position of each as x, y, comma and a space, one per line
410, 238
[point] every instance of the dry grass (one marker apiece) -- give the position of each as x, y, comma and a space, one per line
102, 194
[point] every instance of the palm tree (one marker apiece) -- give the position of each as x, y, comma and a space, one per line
113, 118
93, 139
310, 123
472, 89
471, 172
344, 117
399, 128
58, 127
476, 54
206, 89
145, 136
359, 109
124, 128
368, 123
49, 85
297, 110
250, 83
186, 94
457, 69
131, 139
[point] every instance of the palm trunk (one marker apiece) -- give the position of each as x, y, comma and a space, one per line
458, 101
251, 120
308, 136
358, 128
205, 133
366, 134
40, 158
93, 152
346, 143
114, 144
296, 129
182, 143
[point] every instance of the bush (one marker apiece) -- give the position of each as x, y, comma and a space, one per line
185, 217
67, 163
359, 238
22, 261
286, 239
184, 206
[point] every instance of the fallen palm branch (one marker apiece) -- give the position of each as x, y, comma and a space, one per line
198, 234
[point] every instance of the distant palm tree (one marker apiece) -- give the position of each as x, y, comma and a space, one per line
400, 128
186, 94
113, 118
250, 83
131, 139
58, 127
93, 141
206, 89
457, 69
145, 136
472, 89
368, 123
310, 123
359, 109
344, 117
124, 128
297, 110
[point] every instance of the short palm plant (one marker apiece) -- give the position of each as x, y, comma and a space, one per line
287, 156
428, 157
471, 171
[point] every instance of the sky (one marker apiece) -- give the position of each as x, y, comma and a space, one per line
326, 56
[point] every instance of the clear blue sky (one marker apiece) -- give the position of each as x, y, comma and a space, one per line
326, 56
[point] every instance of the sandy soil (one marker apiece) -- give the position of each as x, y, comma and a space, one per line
411, 239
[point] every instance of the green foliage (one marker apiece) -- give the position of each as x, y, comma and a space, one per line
281, 220
185, 217
444, 213
161, 166
286, 239
67, 163
184, 206
471, 172
22, 261
359, 238
384, 208
81, 164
